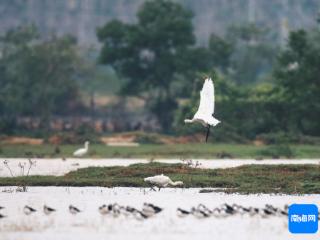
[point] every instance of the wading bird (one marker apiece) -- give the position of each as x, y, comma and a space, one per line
139, 215
48, 210
28, 210
161, 181
73, 210
199, 213
150, 209
204, 115
103, 209
182, 213
82, 151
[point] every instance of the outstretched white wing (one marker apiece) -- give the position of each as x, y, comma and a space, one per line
206, 106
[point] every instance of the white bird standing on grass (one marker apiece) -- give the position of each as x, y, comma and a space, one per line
161, 181
204, 115
82, 151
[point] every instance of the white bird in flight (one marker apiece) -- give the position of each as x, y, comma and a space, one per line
82, 151
204, 115
161, 181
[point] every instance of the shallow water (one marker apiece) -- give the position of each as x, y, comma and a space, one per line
166, 225
58, 167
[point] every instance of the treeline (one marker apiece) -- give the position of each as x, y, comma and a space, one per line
262, 91
284, 108
37, 77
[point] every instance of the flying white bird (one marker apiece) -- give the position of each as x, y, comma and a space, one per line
204, 115
82, 151
161, 181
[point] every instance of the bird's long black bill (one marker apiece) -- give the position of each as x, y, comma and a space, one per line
208, 133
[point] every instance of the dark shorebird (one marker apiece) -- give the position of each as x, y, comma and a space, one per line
199, 213
113, 209
2, 216
278, 211
216, 212
48, 210
204, 208
182, 213
126, 211
254, 211
103, 209
73, 210
244, 210
266, 212
283, 212
271, 208
28, 210
150, 209
139, 215
130, 209
228, 209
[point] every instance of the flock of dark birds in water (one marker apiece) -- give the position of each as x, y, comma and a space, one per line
202, 211
149, 210
115, 210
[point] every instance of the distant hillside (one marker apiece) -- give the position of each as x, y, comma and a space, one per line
81, 17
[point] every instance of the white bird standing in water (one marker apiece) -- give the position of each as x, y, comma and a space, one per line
204, 115
161, 181
82, 151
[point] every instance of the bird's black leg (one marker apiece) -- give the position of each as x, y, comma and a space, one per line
152, 188
208, 132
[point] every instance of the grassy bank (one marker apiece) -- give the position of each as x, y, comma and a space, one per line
291, 179
201, 150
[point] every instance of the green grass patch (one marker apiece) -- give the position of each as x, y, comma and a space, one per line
290, 179
200, 150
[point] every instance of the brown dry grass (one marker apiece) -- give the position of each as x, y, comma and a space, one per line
21, 140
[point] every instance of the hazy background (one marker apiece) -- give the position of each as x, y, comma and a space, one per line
81, 17
67, 67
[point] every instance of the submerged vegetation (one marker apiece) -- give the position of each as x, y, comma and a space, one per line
290, 179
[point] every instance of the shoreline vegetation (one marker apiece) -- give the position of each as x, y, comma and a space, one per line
166, 151
287, 179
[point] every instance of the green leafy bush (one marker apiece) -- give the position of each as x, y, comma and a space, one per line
277, 151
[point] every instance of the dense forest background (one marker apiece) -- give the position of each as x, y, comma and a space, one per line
99, 67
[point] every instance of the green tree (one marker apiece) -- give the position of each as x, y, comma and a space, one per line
298, 77
220, 52
153, 53
38, 76
253, 55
